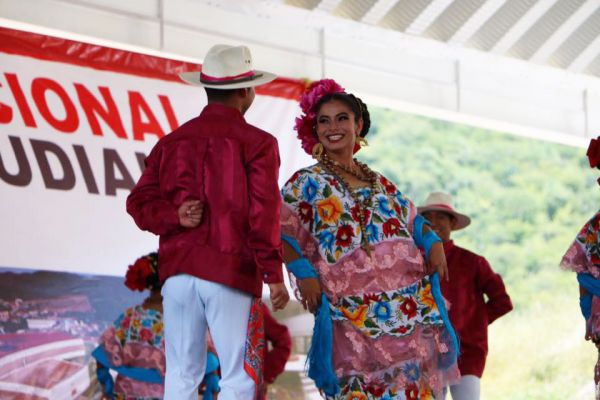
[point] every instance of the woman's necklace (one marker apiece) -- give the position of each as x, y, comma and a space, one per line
362, 173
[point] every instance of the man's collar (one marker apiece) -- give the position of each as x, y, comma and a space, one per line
448, 245
222, 110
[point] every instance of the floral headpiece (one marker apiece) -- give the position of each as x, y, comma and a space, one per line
308, 102
143, 274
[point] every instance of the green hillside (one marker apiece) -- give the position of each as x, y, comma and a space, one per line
527, 200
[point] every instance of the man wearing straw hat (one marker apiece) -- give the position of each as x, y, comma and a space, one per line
210, 191
471, 280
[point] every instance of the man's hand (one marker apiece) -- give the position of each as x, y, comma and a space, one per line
279, 295
437, 261
190, 213
310, 289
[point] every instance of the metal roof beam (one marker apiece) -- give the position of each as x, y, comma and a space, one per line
426, 18
480, 17
586, 57
565, 30
518, 29
328, 5
378, 11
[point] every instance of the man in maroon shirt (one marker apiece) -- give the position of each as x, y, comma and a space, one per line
219, 170
471, 280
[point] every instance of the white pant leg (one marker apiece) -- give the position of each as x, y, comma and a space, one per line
227, 313
185, 337
467, 389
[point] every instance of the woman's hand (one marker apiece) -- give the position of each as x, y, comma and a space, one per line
437, 261
310, 290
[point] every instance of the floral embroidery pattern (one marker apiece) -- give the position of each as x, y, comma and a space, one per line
140, 325
121, 396
354, 387
330, 214
394, 313
588, 238
255, 344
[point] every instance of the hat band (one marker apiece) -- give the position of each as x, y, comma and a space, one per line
444, 206
226, 80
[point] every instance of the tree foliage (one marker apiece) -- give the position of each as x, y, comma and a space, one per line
527, 199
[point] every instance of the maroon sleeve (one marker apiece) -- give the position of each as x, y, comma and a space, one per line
264, 238
281, 347
492, 286
149, 209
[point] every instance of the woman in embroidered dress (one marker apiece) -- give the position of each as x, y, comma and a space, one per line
583, 257
134, 345
353, 244
136, 337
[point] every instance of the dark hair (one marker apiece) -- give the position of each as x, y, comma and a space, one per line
219, 94
154, 282
356, 105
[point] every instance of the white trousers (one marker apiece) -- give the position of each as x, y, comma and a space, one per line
190, 306
468, 388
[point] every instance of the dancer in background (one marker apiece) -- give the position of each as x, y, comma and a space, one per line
583, 257
134, 345
476, 294
352, 242
213, 272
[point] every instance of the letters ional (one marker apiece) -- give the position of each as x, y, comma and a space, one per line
68, 121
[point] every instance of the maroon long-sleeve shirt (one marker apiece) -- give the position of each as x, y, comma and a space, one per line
471, 281
232, 167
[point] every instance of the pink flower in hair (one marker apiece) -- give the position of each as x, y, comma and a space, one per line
315, 91
305, 124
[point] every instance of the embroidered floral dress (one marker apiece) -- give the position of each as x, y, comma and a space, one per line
136, 339
583, 256
389, 340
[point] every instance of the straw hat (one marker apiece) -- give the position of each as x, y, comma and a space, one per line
439, 201
227, 67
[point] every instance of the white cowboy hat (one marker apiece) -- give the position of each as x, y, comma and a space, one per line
227, 67
439, 201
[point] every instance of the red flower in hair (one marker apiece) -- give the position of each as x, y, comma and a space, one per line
305, 124
593, 153
306, 134
140, 274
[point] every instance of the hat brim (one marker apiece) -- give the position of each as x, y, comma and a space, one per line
262, 77
462, 221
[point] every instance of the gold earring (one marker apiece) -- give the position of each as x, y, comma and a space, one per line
362, 142
317, 151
